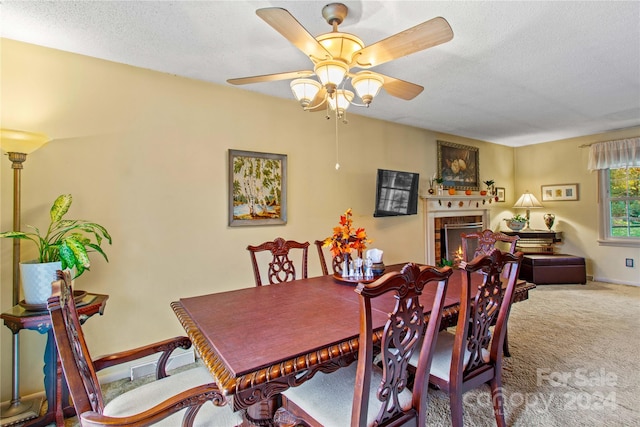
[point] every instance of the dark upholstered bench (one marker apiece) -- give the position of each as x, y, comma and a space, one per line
553, 268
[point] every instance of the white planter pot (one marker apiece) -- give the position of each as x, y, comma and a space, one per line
36, 280
516, 225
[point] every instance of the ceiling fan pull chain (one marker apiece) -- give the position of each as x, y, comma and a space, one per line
337, 146
328, 115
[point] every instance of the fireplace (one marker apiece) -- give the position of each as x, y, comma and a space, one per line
451, 211
451, 239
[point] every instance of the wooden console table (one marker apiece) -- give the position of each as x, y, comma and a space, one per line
17, 318
536, 241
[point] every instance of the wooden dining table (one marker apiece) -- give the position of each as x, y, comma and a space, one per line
259, 341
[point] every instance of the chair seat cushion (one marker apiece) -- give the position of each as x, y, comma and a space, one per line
441, 363
153, 393
328, 398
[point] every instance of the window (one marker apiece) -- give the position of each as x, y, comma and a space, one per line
621, 204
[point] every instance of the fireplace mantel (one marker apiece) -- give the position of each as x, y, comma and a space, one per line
452, 206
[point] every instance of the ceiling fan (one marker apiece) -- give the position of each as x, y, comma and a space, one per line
334, 54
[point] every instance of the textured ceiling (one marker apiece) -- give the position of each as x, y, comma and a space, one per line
515, 73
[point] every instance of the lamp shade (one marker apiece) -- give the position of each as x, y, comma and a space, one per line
18, 141
305, 90
367, 85
527, 200
331, 73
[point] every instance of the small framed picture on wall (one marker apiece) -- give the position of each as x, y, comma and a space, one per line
559, 192
500, 197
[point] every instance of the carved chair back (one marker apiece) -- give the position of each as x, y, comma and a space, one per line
401, 338
281, 267
336, 261
486, 243
76, 361
477, 352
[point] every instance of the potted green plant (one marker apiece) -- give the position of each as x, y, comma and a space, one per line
516, 222
489, 183
65, 245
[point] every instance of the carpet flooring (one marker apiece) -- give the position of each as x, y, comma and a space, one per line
574, 362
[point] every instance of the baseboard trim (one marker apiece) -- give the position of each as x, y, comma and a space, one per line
144, 366
615, 282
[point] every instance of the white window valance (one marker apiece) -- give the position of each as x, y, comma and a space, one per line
614, 154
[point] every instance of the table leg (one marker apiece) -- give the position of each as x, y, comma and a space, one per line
261, 414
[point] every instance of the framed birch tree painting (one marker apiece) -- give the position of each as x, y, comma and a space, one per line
257, 188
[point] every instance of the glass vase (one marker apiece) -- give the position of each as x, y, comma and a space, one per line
345, 265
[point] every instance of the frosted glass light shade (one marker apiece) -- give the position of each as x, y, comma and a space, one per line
367, 86
331, 73
305, 90
341, 100
18, 141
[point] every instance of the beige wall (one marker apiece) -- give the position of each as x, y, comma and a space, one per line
145, 154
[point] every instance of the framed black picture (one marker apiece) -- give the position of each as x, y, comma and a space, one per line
396, 193
257, 188
458, 166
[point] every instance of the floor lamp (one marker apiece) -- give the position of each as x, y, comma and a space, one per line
527, 201
17, 144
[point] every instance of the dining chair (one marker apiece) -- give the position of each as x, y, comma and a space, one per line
363, 394
170, 400
472, 356
281, 267
486, 243
336, 261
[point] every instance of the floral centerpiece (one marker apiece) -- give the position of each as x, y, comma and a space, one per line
347, 239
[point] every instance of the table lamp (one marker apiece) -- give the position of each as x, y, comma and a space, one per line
17, 145
527, 201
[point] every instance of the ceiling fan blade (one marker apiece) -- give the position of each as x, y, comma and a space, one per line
428, 34
271, 77
400, 88
284, 23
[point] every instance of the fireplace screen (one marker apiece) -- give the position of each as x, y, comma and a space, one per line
452, 240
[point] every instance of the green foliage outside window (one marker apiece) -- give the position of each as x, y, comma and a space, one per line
624, 199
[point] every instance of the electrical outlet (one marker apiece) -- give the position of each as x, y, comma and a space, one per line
628, 262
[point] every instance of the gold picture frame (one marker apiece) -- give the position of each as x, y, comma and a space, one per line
458, 166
